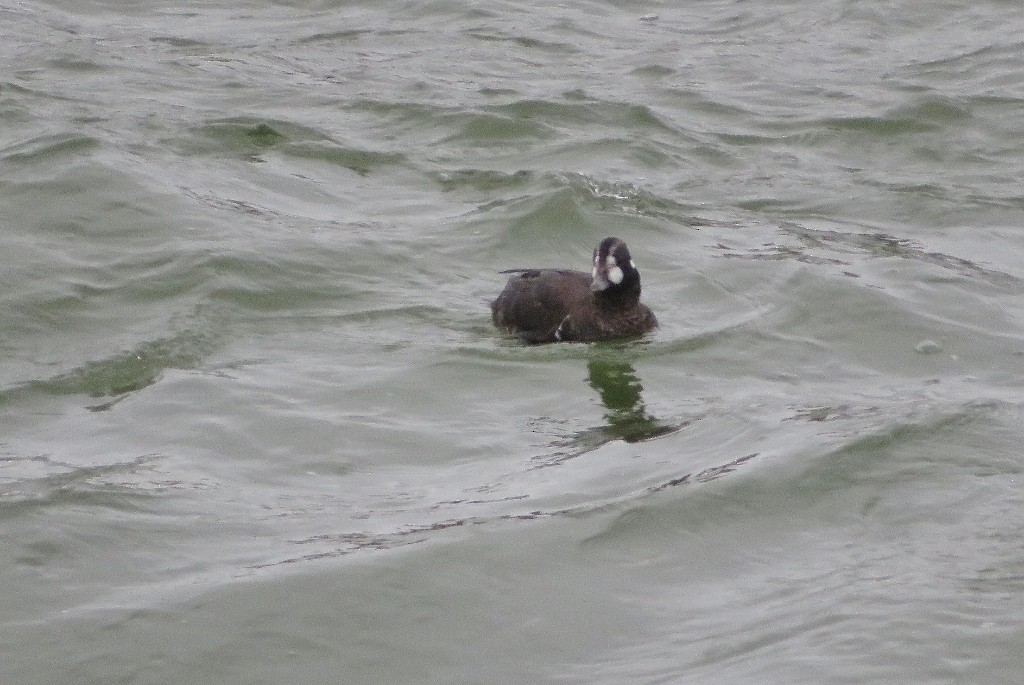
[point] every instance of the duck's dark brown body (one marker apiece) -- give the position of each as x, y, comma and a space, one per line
553, 305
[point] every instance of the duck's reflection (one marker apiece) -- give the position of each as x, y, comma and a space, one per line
621, 394
626, 416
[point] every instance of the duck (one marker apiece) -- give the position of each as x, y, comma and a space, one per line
564, 305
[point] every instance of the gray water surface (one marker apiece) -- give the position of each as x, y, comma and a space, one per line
257, 427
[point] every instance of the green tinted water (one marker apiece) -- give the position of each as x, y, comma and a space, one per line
257, 425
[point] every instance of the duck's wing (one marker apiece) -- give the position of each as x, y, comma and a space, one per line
535, 301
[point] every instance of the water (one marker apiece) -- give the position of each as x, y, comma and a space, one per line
257, 426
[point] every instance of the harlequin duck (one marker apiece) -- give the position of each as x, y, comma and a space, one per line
560, 305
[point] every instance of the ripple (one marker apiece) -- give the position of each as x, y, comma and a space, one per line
123, 373
35, 484
48, 147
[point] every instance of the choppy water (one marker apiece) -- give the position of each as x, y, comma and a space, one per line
257, 428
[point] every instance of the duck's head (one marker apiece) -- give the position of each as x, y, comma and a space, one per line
614, 268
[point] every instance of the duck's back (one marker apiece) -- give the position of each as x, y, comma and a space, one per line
536, 301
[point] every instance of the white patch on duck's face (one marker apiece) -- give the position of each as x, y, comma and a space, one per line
614, 272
